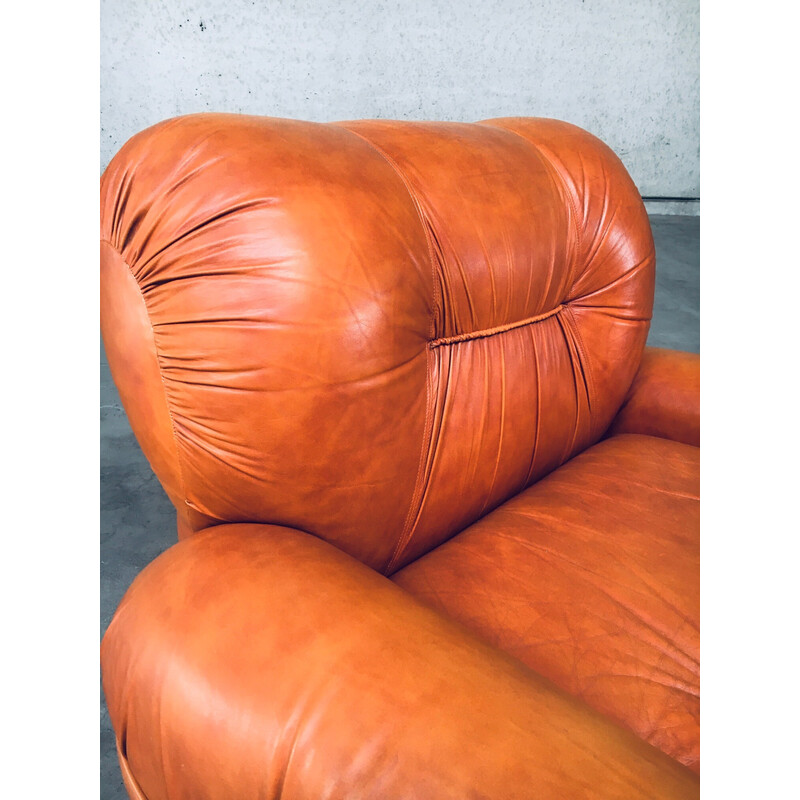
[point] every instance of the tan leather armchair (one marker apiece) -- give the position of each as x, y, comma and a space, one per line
437, 503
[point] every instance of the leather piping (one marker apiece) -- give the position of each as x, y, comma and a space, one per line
466, 337
130, 783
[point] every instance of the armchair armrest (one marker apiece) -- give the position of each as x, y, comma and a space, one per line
258, 661
664, 399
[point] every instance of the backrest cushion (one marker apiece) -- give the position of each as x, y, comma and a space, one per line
373, 331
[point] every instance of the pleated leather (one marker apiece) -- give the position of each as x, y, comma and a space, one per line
374, 331
288, 286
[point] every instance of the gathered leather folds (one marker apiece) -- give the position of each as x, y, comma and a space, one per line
294, 275
378, 368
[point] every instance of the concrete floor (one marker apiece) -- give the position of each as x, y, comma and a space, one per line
137, 522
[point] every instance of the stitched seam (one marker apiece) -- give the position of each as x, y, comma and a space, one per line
510, 326
418, 208
160, 372
416, 497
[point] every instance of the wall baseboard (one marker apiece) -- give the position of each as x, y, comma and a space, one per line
688, 206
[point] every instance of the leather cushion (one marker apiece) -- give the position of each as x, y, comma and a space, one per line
253, 661
591, 578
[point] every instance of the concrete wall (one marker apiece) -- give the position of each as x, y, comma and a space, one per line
626, 70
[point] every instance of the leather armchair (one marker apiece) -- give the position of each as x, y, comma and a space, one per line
438, 506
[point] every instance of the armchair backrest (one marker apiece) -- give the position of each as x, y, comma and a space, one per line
372, 331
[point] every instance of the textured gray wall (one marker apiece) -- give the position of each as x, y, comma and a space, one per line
627, 71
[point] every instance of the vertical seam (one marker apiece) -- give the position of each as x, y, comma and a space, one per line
583, 353
578, 251
430, 394
412, 517
538, 409
422, 219
501, 433
570, 343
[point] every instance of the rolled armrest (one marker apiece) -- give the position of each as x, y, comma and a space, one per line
257, 661
664, 399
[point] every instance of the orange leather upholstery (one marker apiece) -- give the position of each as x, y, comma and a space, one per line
345, 284
580, 579
357, 340
296, 671
664, 399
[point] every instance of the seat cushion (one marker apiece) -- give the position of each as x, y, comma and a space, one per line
591, 578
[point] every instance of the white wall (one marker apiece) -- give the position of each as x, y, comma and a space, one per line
627, 71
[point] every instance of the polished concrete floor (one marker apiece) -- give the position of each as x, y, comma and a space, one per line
137, 522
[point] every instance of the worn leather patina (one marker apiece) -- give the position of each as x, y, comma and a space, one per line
438, 504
